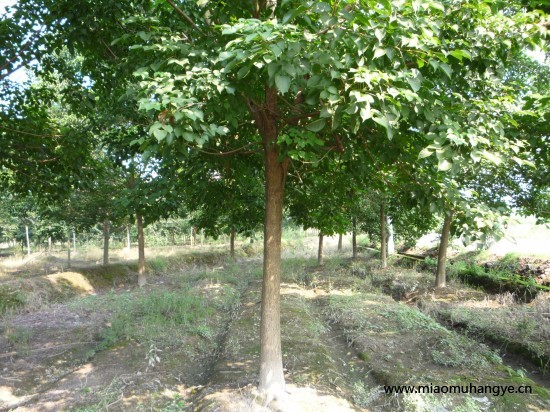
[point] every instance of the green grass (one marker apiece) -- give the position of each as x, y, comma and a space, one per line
157, 317
10, 299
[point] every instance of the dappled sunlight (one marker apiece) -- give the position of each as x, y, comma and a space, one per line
485, 303
74, 279
7, 397
296, 399
294, 289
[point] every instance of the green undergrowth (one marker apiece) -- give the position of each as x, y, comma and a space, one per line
495, 280
11, 298
196, 306
521, 328
406, 347
501, 277
184, 260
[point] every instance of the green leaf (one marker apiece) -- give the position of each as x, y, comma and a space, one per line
415, 83
447, 69
282, 83
460, 54
383, 121
316, 125
492, 157
276, 50
365, 112
160, 134
379, 52
243, 72
425, 153
444, 165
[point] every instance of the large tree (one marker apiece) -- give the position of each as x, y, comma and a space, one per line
208, 69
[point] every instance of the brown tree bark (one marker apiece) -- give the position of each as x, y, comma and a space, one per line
105, 242
272, 382
232, 243
128, 239
320, 259
340, 242
142, 279
68, 250
28, 240
354, 238
441, 276
383, 239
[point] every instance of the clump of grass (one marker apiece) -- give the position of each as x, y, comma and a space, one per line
522, 327
10, 299
158, 264
364, 396
458, 351
20, 338
161, 317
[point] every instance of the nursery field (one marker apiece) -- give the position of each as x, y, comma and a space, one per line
88, 339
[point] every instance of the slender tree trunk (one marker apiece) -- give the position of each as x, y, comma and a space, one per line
105, 242
192, 236
340, 243
354, 237
232, 243
320, 251
272, 381
74, 241
69, 249
383, 240
202, 237
440, 278
28, 240
142, 280
128, 239
49, 241
391, 242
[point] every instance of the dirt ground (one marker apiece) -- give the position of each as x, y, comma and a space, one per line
347, 329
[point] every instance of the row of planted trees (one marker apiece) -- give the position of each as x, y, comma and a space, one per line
239, 110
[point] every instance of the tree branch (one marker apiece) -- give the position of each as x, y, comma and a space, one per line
185, 16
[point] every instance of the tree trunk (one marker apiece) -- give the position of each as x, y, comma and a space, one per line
142, 280
69, 249
202, 237
383, 240
74, 241
49, 245
128, 239
440, 278
340, 243
232, 243
320, 251
354, 238
391, 242
105, 242
28, 240
192, 236
272, 381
